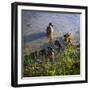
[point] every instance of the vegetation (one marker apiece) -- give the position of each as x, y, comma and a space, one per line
66, 62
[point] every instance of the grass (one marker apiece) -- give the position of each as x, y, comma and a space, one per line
66, 62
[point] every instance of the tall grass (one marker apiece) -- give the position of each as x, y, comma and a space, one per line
66, 62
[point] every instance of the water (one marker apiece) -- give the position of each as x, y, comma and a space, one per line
34, 24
